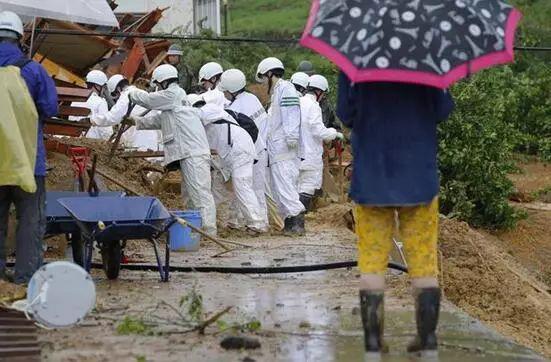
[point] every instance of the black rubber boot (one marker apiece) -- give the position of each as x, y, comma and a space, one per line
298, 225
306, 200
427, 307
287, 229
373, 314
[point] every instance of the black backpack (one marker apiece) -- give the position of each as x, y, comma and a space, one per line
243, 121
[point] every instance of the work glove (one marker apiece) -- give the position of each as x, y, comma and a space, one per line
339, 136
292, 144
130, 121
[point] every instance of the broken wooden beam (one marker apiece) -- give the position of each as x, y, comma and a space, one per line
60, 127
141, 154
118, 183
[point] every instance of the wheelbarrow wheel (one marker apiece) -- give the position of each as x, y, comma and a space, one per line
111, 258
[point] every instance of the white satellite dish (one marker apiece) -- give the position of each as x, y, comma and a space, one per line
60, 294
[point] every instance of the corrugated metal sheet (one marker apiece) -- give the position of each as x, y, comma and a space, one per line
18, 338
207, 15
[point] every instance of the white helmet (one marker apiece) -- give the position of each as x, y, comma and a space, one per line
232, 80
113, 82
318, 82
96, 77
266, 65
193, 99
301, 79
164, 72
210, 70
175, 49
10, 25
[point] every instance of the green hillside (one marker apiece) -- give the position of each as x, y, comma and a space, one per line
277, 17
287, 17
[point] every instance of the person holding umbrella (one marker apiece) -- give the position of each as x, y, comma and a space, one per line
397, 59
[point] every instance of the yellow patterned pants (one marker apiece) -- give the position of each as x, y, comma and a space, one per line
417, 228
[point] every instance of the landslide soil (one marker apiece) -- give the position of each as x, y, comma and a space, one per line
501, 278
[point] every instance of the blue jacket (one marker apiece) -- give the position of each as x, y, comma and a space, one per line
394, 140
42, 89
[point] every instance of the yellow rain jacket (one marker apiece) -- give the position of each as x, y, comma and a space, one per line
18, 125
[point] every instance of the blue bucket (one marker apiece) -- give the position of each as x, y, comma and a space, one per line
182, 238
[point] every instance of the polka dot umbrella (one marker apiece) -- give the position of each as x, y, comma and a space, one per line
431, 42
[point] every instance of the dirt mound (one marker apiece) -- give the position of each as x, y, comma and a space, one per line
10, 292
332, 216
485, 282
134, 173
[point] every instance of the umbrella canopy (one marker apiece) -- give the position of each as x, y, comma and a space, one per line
431, 42
96, 12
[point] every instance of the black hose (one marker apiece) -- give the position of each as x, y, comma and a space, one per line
252, 270
246, 270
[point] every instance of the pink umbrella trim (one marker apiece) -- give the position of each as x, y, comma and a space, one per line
408, 76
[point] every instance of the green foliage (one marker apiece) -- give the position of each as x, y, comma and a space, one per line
476, 148
253, 325
141, 359
192, 303
130, 325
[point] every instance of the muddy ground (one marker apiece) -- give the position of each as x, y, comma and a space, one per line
305, 316
501, 279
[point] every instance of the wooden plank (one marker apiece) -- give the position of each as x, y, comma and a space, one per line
132, 63
141, 154
73, 111
156, 62
65, 128
59, 72
70, 92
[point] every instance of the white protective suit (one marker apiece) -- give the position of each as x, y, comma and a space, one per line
313, 134
97, 106
185, 144
283, 148
215, 96
249, 105
237, 152
142, 140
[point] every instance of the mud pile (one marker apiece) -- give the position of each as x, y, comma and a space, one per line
487, 283
134, 173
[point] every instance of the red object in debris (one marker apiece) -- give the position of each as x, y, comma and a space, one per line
79, 160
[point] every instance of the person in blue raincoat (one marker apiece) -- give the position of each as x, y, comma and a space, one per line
395, 171
30, 207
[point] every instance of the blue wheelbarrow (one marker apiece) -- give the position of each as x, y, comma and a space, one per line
111, 221
60, 222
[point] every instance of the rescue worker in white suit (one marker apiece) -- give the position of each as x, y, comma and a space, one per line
313, 134
300, 81
233, 83
184, 139
119, 87
96, 80
237, 151
283, 143
209, 77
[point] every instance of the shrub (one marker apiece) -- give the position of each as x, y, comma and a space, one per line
476, 146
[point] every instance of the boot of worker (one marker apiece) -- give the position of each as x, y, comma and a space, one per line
287, 229
306, 200
373, 314
427, 307
298, 225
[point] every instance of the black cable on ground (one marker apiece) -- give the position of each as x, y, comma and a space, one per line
247, 270
252, 270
